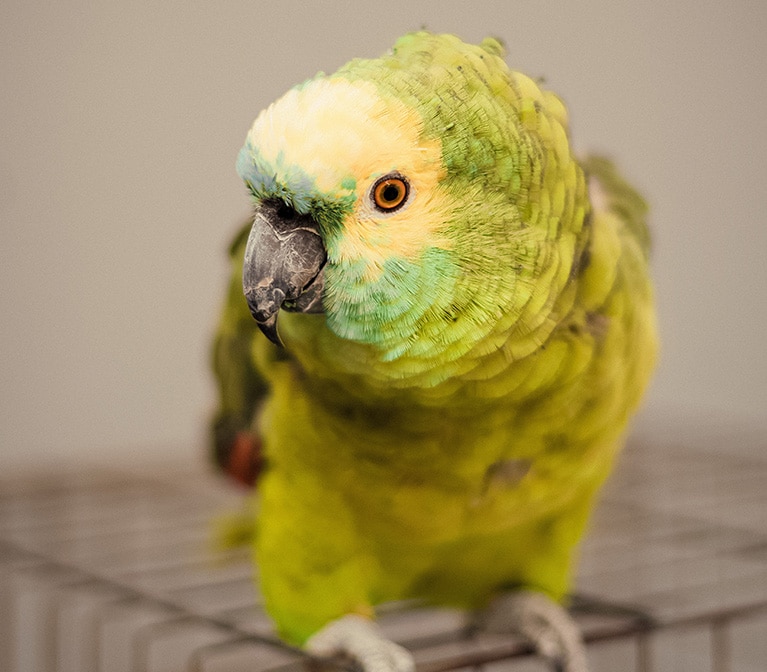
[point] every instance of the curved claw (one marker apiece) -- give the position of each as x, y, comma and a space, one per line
545, 623
362, 640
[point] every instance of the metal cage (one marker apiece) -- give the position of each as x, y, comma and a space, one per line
115, 571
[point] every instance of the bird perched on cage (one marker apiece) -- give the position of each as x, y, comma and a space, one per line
459, 324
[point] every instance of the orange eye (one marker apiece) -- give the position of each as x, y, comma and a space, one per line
390, 192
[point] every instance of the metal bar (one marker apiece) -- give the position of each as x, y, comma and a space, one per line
72, 544
721, 649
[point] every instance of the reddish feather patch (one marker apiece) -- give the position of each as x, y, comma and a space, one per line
245, 459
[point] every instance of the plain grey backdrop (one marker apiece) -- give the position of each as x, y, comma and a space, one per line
121, 122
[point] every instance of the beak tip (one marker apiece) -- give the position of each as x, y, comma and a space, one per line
264, 303
268, 328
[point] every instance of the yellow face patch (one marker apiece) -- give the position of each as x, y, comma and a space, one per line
343, 133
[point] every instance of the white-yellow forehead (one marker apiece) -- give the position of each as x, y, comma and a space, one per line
335, 129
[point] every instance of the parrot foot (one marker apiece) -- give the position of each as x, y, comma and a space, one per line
545, 623
360, 639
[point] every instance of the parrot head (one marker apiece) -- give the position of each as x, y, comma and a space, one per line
412, 202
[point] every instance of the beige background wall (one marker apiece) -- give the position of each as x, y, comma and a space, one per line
120, 126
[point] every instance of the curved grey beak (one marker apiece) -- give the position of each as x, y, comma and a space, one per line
284, 258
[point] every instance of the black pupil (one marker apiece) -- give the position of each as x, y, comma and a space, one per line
391, 193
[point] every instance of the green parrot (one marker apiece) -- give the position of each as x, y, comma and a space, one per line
459, 324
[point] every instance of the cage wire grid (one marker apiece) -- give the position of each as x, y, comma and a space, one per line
114, 571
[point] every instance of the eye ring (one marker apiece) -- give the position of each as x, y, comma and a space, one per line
390, 193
